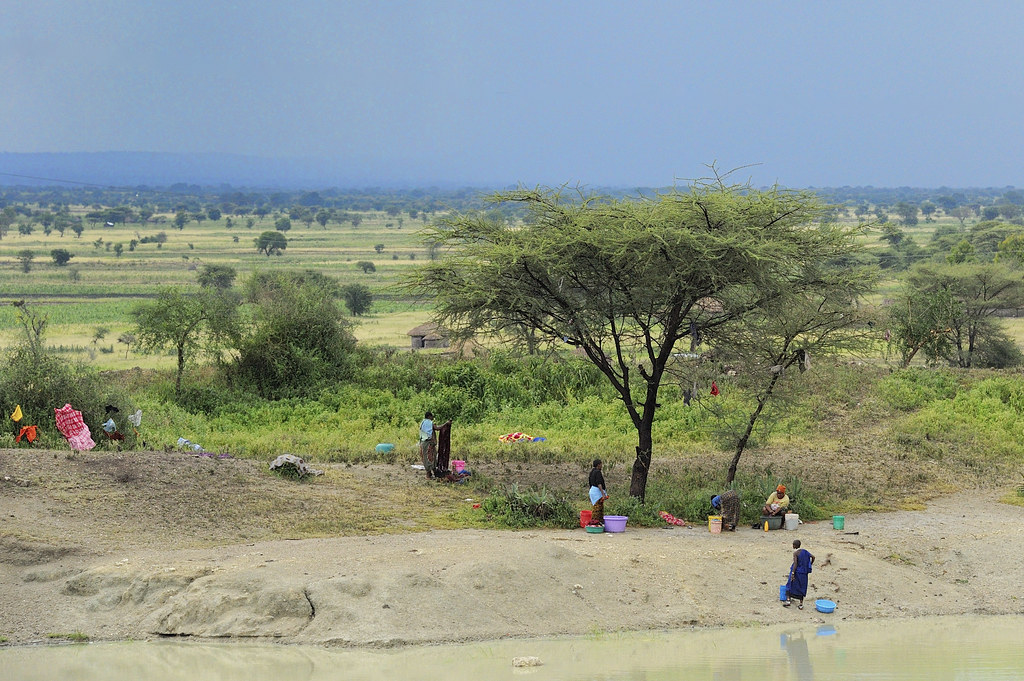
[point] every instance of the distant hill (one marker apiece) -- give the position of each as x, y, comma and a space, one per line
133, 168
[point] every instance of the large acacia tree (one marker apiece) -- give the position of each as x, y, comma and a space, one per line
626, 281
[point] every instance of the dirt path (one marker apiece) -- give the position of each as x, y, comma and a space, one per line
61, 573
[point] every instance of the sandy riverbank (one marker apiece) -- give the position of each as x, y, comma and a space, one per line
447, 586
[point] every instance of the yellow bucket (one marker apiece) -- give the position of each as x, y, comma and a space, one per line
715, 524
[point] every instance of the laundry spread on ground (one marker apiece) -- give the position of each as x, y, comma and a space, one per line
520, 437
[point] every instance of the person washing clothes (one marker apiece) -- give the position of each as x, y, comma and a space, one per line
727, 505
777, 503
597, 493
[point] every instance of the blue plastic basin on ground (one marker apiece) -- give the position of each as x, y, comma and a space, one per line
824, 605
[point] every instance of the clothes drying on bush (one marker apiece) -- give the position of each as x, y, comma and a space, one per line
73, 428
30, 433
16, 416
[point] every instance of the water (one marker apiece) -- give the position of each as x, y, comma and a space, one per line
937, 649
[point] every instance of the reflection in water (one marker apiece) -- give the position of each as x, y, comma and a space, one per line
799, 657
938, 649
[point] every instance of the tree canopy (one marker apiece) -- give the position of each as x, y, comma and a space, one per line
625, 281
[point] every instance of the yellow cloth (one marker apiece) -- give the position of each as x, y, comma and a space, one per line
16, 416
782, 501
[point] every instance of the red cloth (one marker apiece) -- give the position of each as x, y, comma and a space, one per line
29, 433
714, 388
72, 427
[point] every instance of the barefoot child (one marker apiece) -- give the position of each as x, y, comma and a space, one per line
796, 587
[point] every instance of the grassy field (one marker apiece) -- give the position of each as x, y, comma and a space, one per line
97, 288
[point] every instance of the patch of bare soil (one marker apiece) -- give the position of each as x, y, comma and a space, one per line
135, 545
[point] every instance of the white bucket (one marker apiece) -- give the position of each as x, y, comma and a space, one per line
792, 521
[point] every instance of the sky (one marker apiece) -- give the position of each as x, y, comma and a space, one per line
598, 93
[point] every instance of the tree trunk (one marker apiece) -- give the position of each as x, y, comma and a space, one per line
642, 464
181, 370
741, 445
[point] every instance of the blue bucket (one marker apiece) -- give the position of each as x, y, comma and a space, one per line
384, 447
783, 595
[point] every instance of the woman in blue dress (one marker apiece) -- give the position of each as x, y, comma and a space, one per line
796, 587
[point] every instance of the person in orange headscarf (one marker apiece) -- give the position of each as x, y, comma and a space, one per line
777, 503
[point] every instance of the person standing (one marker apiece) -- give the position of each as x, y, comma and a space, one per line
796, 587
428, 443
597, 493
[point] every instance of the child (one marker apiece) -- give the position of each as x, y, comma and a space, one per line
597, 493
796, 587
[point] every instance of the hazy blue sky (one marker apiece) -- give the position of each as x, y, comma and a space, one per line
622, 93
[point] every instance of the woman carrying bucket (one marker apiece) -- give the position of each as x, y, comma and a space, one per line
796, 587
597, 493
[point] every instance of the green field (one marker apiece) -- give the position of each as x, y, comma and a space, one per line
97, 288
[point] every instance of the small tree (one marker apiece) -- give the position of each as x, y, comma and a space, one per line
271, 243
25, 258
379, 248
217, 276
99, 334
366, 266
282, 224
118, 249
185, 323
358, 298
127, 339
61, 256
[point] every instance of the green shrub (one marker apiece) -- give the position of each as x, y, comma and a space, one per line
514, 508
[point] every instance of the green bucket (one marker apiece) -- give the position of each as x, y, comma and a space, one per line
838, 522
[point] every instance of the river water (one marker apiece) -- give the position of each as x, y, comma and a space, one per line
937, 649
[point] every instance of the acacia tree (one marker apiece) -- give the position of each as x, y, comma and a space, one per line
968, 296
626, 280
816, 316
186, 323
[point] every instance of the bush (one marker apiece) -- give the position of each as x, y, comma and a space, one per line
46, 382
513, 508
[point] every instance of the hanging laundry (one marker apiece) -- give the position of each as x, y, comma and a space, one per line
28, 432
16, 416
687, 396
136, 418
73, 428
714, 388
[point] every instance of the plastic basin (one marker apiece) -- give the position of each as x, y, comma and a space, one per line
615, 523
595, 529
384, 447
824, 605
774, 521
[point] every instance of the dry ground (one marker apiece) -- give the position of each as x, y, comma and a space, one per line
135, 545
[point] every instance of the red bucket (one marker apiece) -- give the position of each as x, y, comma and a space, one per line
585, 518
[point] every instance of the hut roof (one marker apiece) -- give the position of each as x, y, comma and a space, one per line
429, 331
